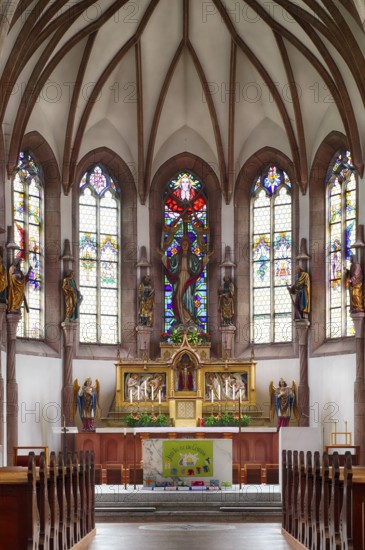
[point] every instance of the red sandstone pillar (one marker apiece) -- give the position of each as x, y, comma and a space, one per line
2, 315
12, 320
69, 338
302, 326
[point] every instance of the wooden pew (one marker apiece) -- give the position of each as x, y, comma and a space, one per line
335, 504
301, 498
70, 504
347, 513
43, 505
83, 528
295, 495
53, 503
18, 507
316, 501
289, 493
284, 480
62, 503
325, 504
308, 501
77, 499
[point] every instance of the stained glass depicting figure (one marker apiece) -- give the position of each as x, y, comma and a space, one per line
341, 235
99, 257
271, 209
185, 219
28, 235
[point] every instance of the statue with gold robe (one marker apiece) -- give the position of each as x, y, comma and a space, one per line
354, 278
16, 288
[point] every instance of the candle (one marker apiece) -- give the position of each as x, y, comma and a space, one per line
234, 392
131, 396
152, 393
226, 388
159, 397
138, 393
145, 389
212, 397
219, 392
125, 432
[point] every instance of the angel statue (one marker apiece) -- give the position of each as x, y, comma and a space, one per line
86, 401
283, 401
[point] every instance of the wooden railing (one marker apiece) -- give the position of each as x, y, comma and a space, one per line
323, 506
47, 508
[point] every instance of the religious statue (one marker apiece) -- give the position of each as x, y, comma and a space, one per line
301, 291
283, 402
146, 298
16, 288
3, 278
86, 400
183, 271
185, 378
225, 301
73, 298
354, 277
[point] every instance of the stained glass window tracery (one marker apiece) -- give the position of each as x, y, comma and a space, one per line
99, 246
28, 235
271, 209
185, 213
341, 235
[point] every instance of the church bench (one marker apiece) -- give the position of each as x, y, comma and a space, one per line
272, 474
252, 473
315, 503
20, 459
325, 503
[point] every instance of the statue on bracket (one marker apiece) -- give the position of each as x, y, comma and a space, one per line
283, 402
3, 278
301, 291
16, 288
86, 401
146, 299
225, 301
73, 297
354, 278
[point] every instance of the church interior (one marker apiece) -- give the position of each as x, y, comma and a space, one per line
181, 223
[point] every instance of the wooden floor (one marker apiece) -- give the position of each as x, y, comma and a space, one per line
191, 536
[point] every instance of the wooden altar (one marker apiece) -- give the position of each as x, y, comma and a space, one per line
185, 384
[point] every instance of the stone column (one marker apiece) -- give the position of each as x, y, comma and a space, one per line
302, 326
359, 390
69, 338
227, 332
144, 338
12, 320
2, 315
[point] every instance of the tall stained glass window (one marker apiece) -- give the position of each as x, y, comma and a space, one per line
271, 223
185, 213
341, 235
99, 257
28, 235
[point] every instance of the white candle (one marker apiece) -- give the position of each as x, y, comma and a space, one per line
138, 393
145, 389
226, 388
234, 391
219, 392
152, 393
131, 396
159, 397
212, 397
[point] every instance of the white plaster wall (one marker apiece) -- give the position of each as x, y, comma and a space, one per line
39, 398
331, 382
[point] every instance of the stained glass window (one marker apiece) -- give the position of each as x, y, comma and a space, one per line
99, 257
28, 235
185, 213
271, 211
341, 235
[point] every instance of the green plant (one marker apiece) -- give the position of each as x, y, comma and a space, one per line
145, 419
226, 419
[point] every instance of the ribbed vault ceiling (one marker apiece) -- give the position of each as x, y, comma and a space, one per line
152, 78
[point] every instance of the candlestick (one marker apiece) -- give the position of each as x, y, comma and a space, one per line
240, 395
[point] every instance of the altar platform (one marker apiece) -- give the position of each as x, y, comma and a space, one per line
257, 445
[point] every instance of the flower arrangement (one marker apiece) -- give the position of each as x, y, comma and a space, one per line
144, 419
227, 419
194, 336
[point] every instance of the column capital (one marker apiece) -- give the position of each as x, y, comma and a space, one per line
69, 333
358, 319
12, 321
